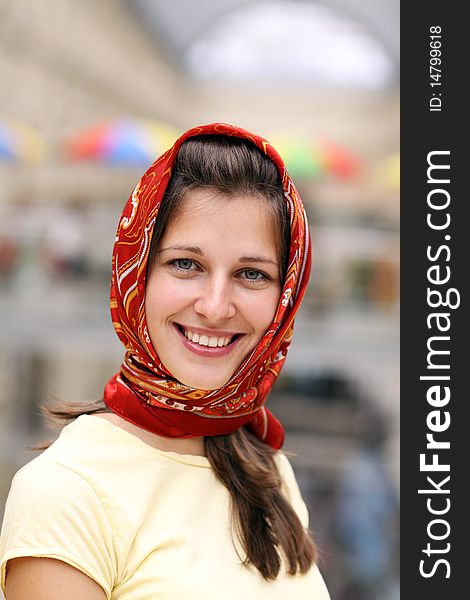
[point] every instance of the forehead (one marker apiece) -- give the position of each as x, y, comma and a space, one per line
237, 219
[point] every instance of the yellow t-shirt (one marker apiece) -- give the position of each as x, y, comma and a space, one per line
143, 523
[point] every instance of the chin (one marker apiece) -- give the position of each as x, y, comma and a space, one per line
201, 382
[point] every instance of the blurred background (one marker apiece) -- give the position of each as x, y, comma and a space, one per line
91, 93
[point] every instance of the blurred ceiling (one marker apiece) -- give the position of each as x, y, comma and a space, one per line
91, 61
182, 24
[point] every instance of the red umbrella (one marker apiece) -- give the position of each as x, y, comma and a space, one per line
339, 161
121, 142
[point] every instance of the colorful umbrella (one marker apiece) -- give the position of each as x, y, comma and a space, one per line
121, 142
314, 159
21, 143
339, 161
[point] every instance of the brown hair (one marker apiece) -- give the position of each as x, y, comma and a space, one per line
263, 520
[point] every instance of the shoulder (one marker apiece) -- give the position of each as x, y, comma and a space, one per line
291, 487
74, 486
50, 499
54, 512
283, 463
286, 471
43, 480
57, 479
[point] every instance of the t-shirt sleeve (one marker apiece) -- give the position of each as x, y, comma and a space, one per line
291, 488
54, 512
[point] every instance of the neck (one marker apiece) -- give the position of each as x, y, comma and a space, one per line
193, 445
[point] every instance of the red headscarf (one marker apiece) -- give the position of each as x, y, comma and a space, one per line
144, 392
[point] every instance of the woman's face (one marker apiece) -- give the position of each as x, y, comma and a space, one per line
214, 288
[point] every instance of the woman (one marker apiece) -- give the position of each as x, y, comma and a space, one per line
173, 487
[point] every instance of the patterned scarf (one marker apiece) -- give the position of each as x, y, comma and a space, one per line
144, 392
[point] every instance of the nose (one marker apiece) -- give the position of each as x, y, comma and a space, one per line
215, 301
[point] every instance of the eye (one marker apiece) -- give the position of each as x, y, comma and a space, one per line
183, 264
253, 275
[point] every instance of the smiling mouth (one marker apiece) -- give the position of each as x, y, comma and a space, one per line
207, 341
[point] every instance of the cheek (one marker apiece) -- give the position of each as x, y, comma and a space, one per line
163, 297
264, 310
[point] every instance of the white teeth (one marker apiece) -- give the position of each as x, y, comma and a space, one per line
204, 340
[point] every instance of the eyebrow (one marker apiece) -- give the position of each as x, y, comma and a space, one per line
242, 259
257, 259
193, 249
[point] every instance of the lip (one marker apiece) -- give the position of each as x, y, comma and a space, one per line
206, 350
